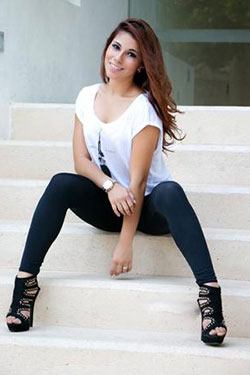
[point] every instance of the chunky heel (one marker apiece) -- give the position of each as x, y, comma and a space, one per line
24, 296
210, 305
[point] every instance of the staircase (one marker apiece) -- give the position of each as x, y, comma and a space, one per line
145, 322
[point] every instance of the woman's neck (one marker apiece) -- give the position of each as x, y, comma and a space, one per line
122, 89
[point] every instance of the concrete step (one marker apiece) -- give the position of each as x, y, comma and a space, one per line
205, 164
142, 302
38, 121
33, 159
74, 351
90, 251
202, 164
215, 125
209, 125
217, 206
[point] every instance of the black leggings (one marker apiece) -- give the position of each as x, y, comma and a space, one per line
165, 210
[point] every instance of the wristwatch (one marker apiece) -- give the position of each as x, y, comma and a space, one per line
108, 185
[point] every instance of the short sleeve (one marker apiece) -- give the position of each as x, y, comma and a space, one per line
145, 115
79, 104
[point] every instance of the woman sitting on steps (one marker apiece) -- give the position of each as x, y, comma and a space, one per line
122, 182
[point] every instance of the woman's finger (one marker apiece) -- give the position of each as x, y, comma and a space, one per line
126, 208
118, 269
130, 204
115, 210
132, 196
119, 207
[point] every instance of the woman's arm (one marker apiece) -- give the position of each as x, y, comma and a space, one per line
143, 146
82, 161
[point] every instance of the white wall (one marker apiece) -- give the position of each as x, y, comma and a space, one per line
51, 49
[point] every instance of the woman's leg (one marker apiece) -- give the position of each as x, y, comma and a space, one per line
65, 190
167, 209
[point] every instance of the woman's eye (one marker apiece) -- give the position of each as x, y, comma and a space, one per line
131, 54
115, 46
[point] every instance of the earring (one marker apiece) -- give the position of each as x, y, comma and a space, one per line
140, 69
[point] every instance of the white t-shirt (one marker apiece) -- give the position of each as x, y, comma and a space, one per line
116, 136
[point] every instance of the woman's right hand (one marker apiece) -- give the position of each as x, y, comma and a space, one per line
122, 200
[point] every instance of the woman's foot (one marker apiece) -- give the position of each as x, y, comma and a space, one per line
213, 325
26, 312
220, 331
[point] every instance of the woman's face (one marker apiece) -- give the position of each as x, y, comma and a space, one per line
122, 57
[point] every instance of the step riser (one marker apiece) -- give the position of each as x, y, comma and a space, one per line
103, 360
34, 162
42, 162
202, 125
210, 125
227, 168
176, 310
214, 210
43, 122
92, 253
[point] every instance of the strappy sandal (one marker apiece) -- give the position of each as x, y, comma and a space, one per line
24, 296
210, 305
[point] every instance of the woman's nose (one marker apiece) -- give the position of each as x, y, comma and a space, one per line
118, 56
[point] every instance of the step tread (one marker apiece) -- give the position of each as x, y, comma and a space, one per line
211, 148
177, 146
19, 105
157, 284
124, 340
181, 107
28, 143
199, 188
21, 226
213, 109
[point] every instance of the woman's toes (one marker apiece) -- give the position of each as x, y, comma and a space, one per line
17, 321
12, 319
212, 332
220, 331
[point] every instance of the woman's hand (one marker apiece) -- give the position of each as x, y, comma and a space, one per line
122, 259
122, 200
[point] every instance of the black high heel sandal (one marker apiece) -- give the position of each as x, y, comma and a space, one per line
24, 296
210, 305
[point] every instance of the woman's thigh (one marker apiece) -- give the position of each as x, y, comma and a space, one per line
151, 220
166, 203
87, 201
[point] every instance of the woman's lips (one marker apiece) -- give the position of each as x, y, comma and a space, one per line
114, 68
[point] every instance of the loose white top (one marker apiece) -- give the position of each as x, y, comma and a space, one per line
116, 136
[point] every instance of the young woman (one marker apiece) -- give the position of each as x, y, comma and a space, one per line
122, 182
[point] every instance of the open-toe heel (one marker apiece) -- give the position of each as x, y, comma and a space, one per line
210, 305
24, 295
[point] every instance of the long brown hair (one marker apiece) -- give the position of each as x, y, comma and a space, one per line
153, 77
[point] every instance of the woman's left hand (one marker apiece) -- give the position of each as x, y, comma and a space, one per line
122, 260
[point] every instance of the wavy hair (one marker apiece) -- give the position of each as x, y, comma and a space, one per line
153, 76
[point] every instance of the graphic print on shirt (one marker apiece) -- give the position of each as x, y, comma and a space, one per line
101, 157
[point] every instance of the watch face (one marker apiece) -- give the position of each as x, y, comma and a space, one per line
108, 184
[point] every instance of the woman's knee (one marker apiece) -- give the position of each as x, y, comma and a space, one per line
168, 193
69, 183
60, 179
61, 182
